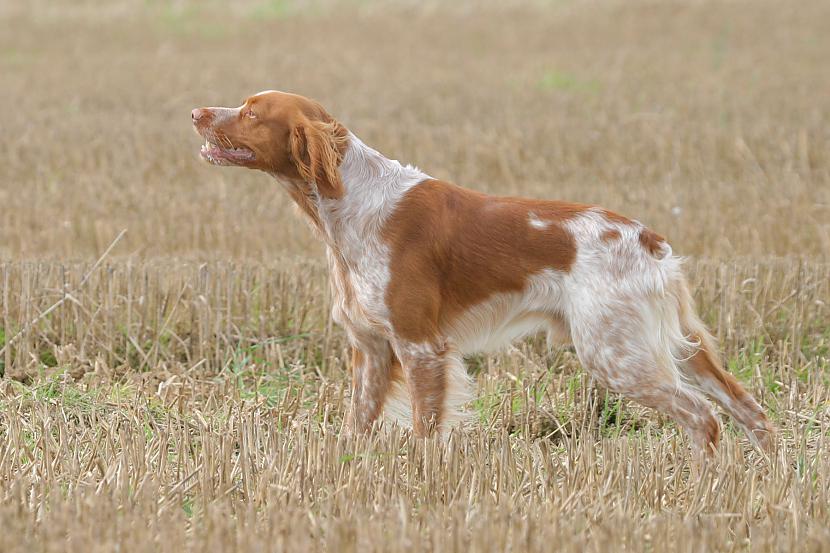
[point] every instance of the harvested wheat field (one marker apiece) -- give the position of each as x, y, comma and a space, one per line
181, 386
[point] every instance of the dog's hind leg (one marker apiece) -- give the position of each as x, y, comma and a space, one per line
702, 367
640, 378
621, 344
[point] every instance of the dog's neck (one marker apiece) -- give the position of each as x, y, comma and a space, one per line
373, 187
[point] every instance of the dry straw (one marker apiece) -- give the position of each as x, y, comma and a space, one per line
186, 391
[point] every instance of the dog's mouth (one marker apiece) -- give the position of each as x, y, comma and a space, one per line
222, 155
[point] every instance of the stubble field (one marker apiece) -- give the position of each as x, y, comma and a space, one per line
186, 393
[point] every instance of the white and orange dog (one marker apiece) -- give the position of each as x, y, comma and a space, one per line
424, 271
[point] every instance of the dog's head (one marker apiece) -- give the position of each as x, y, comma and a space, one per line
286, 135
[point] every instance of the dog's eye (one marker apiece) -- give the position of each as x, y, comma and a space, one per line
250, 114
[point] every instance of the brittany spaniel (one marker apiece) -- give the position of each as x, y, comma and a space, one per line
423, 271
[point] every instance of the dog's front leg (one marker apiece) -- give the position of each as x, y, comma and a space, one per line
426, 368
371, 374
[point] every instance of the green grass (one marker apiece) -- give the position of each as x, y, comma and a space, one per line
271, 9
563, 81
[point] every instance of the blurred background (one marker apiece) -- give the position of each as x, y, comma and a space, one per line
705, 120
187, 392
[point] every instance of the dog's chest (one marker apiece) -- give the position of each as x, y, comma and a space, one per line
358, 293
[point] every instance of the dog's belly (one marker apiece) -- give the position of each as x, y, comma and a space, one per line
478, 336
503, 318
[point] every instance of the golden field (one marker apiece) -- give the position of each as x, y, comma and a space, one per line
187, 392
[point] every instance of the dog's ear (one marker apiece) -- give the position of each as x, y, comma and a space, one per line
316, 150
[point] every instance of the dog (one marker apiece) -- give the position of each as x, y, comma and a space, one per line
423, 271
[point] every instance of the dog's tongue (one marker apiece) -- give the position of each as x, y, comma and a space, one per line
217, 152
